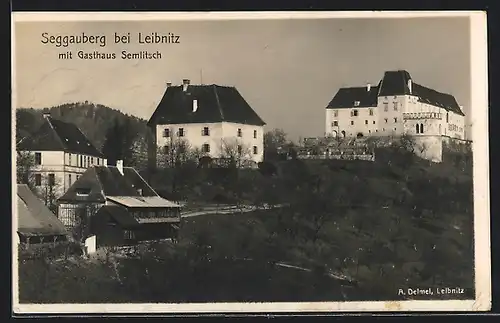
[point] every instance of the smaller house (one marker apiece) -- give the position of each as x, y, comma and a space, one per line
118, 206
36, 223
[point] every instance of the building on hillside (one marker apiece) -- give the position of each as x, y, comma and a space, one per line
212, 118
61, 154
116, 194
36, 224
395, 106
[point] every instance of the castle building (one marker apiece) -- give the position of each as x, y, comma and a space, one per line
213, 119
395, 106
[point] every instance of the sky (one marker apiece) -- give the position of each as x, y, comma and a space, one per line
287, 70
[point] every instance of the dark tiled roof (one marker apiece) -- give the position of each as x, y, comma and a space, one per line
393, 83
34, 217
59, 136
346, 97
215, 104
104, 181
119, 214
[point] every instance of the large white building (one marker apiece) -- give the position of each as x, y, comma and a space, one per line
212, 118
396, 105
61, 152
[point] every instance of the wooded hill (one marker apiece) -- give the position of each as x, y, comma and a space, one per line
94, 120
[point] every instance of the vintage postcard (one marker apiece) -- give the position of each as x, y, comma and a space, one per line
264, 162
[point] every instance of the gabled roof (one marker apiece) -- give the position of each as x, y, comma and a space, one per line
215, 104
102, 181
57, 135
34, 218
118, 214
393, 83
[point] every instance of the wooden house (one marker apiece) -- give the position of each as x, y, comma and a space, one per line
111, 199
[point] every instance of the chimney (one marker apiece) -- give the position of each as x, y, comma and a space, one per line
185, 84
119, 165
169, 84
409, 85
368, 87
195, 105
46, 113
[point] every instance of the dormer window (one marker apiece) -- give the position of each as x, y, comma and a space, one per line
82, 191
356, 103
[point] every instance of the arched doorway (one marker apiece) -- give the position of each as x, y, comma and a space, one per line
334, 134
359, 135
343, 133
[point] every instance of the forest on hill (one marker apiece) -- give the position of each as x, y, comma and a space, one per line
125, 133
92, 119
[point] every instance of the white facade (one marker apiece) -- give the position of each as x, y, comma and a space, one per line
65, 168
395, 115
212, 138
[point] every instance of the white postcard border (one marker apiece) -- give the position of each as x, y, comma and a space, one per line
479, 115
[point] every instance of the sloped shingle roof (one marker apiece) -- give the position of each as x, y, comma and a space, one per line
393, 83
102, 181
215, 104
34, 217
57, 135
119, 214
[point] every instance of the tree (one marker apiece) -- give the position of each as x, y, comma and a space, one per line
236, 153
49, 191
119, 142
24, 168
175, 153
273, 140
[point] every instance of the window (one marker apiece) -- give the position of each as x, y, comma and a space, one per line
255, 133
69, 159
92, 160
371, 112
356, 103
52, 180
335, 113
335, 124
373, 121
395, 120
447, 117
98, 161
81, 161
386, 107
366, 121
38, 180
385, 120
239, 132
128, 234
166, 133
395, 106
77, 177
206, 131
240, 149
417, 128
181, 132
69, 179
352, 123
255, 150
205, 148
421, 128
38, 158
82, 191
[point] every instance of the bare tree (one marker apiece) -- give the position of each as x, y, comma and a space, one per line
49, 190
235, 152
139, 152
176, 152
